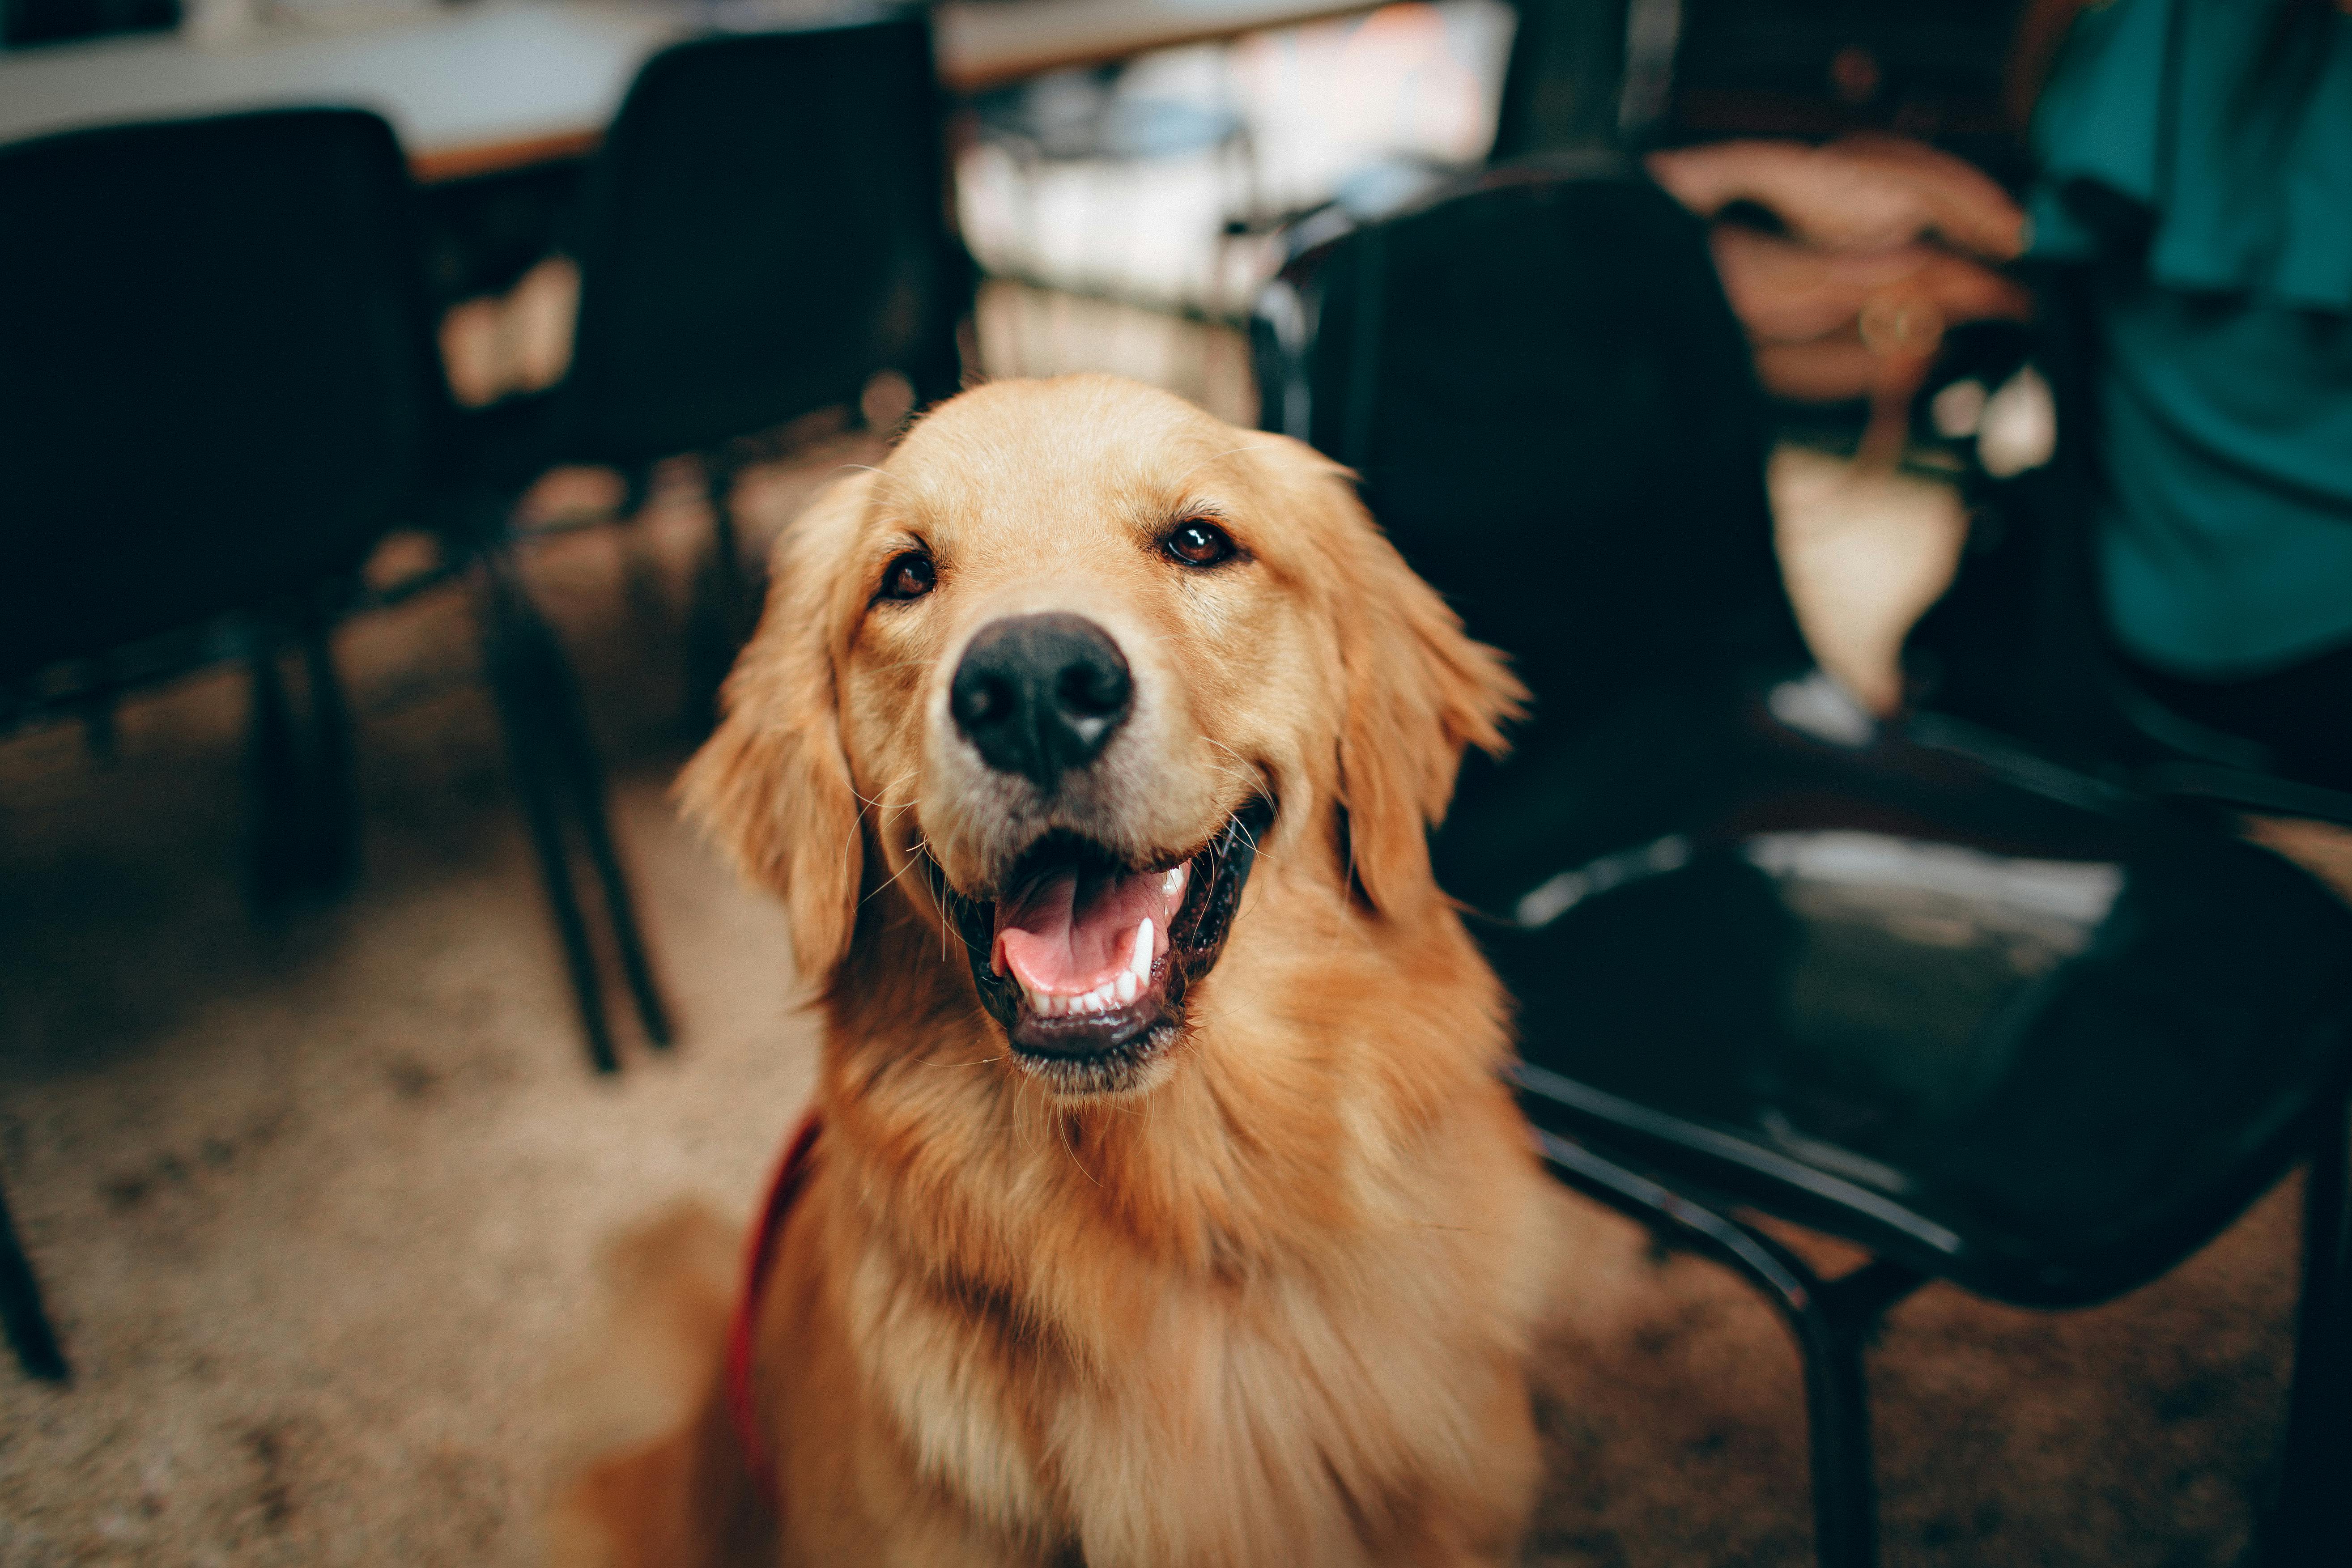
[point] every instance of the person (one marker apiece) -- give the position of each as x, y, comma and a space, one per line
2196, 161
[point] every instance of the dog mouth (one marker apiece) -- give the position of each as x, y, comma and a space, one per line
1085, 958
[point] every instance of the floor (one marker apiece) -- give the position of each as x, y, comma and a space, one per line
320, 1202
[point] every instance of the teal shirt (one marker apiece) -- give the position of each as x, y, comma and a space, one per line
2225, 543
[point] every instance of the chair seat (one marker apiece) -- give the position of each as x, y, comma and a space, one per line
1979, 1015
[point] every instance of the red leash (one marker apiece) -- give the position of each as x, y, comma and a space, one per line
791, 1176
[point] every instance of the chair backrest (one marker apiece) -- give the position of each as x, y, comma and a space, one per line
764, 229
1934, 70
1563, 85
218, 373
1553, 413
1591, 73
25, 22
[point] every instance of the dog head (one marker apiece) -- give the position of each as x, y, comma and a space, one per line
1064, 673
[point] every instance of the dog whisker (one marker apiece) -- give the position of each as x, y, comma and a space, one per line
1073, 1154
888, 882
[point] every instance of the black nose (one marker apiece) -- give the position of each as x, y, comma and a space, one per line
1040, 695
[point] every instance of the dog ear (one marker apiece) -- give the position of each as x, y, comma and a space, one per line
771, 786
1417, 691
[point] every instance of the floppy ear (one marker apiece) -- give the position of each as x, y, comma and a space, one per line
771, 786
1417, 691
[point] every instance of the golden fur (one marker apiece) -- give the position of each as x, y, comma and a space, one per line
1269, 1306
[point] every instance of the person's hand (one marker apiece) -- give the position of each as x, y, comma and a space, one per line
1863, 193
1785, 292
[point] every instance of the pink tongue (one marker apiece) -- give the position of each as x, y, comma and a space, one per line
1067, 933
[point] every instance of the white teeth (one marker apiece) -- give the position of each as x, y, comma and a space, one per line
1117, 992
1171, 886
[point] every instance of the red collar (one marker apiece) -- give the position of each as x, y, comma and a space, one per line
792, 1178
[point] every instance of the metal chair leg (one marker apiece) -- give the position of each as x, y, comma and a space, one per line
653, 1015
721, 620
575, 755
22, 1314
332, 824
641, 578
1833, 1330
274, 768
2308, 1529
98, 731
518, 665
1828, 1320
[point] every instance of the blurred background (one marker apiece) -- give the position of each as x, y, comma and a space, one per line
1903, 444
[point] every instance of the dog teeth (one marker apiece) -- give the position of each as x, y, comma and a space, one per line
1171, 886
1117, 992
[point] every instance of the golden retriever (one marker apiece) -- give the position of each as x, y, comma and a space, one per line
1167, 1208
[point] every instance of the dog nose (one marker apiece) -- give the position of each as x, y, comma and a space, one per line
1040, 695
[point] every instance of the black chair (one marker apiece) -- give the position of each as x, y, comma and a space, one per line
1991, 1020
764, 229
27, 22
219, 391
1563, 86
1587, 74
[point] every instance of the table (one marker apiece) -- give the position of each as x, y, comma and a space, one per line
984, 42
501, 84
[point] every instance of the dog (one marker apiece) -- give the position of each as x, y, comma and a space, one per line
1163, 1205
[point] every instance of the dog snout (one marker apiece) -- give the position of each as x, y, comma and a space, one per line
1041, 695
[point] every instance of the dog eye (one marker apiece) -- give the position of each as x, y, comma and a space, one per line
908, 577
1197, 542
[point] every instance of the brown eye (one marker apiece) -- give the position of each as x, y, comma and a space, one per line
1198, 542
908, 577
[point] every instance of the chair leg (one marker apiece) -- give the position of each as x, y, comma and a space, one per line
721, 618
574, 753
275, 766
1828, 1320
26, 1321
2308, 1529
99, 732
517, 656
332, 828
1832, 1329
641, 575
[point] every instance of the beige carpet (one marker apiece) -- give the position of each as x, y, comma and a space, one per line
318, 1203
